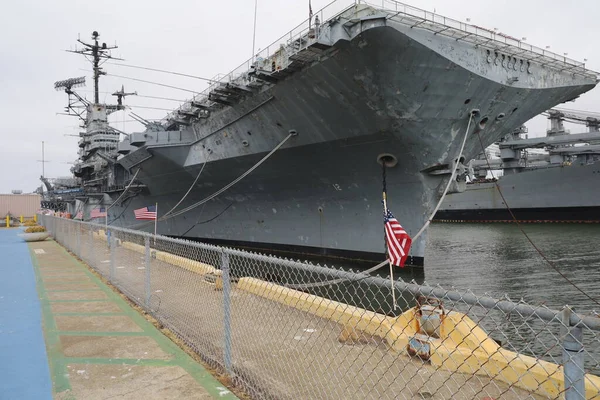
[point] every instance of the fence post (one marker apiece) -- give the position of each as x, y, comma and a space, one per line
78, 234
572, 354
111, 244
92, 261
147, 270
226, 310
69, 236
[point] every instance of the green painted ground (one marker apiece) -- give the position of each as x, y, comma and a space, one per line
56, 259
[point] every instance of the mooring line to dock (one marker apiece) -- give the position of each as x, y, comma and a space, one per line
124, 191
525, 233
227, 187
381, 264
223, 189
190, 189
462, 147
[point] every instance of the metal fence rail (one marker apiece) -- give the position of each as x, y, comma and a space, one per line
280, 332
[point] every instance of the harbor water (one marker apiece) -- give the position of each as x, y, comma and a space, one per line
498, 259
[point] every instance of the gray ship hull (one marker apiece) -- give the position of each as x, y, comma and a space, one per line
385, 88
556, 194
315, 199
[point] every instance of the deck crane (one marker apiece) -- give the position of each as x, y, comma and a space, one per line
558, 115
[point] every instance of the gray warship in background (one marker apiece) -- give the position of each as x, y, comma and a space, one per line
557, 183
365, 87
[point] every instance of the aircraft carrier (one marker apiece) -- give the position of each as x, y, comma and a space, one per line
354, 87
557, 183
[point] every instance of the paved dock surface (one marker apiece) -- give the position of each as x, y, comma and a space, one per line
97, 346
281, 352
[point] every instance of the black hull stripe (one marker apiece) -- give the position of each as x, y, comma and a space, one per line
336, 256
525, 215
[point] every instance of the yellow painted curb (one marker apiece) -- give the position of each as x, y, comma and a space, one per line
185, 263
462, 347
182, 262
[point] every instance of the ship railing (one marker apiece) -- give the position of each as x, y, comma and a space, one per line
282, 328
282, 48
480, 36
285, 42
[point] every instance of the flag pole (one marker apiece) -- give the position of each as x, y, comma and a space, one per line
384, 194
155, 222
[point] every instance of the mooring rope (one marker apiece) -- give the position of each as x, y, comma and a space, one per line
381, 264
540, 252
190, 189
435, 210
124, 191
225, 188
143, 224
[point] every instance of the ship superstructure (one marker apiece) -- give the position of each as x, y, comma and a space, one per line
335, 99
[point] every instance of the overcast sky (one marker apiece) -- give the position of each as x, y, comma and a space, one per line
202, 38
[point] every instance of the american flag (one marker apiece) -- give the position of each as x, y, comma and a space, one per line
398, 241
98, 213
79, 215
145, 213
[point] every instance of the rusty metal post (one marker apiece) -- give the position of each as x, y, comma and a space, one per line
572, 355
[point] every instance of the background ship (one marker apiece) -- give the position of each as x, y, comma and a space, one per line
328, 103
561, 183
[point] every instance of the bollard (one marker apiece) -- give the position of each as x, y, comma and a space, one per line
7, 221
147, 288
572, 354
226, 311
21, 218
34, 217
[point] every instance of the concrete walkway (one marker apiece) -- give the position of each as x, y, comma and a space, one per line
98, 346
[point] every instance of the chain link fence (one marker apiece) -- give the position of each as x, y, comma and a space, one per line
285, 329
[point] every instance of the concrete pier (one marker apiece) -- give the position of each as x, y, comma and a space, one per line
96, 345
